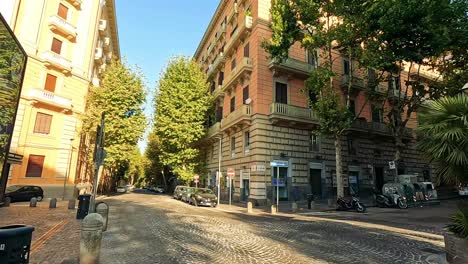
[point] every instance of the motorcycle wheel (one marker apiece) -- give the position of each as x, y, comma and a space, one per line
402, 204
360, 208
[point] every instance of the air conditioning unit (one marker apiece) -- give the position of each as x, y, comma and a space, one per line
248, 101
102, 26
106, 42
98, 54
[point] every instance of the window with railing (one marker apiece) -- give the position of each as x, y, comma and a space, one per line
312, 58
247, 141
281, 93
247, 50
377, 114
314, 142
245, 94
233, 104
233, 146
220, 78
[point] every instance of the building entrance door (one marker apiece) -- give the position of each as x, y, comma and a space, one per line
282, 183
315, 180
379, 178
245, 190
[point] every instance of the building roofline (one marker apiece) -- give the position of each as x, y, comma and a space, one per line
210, 28
111, 14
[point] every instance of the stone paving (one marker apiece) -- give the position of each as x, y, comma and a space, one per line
145, 228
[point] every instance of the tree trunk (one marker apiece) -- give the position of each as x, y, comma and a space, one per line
398, 147
339, 168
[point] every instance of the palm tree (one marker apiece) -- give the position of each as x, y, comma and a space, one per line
444, 137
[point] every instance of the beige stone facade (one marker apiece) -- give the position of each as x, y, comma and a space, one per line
269, 118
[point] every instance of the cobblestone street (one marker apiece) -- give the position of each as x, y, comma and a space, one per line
145, 228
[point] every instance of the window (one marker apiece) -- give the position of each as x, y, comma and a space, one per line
312, 58
312, 97
377, 114
247, 50
351, 147
394, 83
281, 93
346, 67
213, 86
233, 104
35, 164
247, 141
220, 78
42, 125
233, 146
245, 94
314, 144
352, 107
219, 114
62, 11
56, 46
212, 152
233, 64
50, 83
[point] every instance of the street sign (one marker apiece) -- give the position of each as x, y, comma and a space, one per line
196, 181
391, 164
279, 163
196, 176
231, 173
258, 167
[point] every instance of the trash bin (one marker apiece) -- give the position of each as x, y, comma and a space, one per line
310, 198
15, 243
83, 206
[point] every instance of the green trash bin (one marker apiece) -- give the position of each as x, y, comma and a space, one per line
15, 243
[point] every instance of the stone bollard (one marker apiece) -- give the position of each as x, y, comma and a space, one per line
294, 207
103, 209
249, 207
33, 202
71, 204
53, 203
7, 202
90, 241
312, 205
274, 209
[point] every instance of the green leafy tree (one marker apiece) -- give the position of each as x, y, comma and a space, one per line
136, 166
121, 97
180, 113
444, 137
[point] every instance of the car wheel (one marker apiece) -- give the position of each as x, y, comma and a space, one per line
39, 198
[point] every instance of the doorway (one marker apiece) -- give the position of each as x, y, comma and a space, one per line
246, 189
282, 183
315, 180
379, 178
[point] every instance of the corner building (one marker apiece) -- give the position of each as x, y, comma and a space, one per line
262, 115
68, 43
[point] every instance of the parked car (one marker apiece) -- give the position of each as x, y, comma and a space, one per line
187, 194
463, 190
130, 188
203, 196
158, 189
121, 189
178, 191
18, 193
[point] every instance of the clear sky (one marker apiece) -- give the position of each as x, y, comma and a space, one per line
151, 31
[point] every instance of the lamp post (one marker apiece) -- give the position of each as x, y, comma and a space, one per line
67, 174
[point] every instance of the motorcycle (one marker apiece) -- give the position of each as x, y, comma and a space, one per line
351, 203
386, 201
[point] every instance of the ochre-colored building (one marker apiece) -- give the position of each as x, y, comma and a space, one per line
69, 43
263, 115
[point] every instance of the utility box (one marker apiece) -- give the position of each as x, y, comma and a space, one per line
15, 244
83, 206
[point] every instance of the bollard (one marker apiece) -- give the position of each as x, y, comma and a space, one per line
33, 202
273, 209
312, 205
7, 201
294, 207
71, 204
103, 209
53, 203
249, 208
90, 241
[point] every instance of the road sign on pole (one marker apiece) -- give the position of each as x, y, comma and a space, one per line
391, 164
231, 173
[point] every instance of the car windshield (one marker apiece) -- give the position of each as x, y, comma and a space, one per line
13, 188
204, 191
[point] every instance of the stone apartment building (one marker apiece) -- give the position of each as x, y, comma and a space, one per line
68, 43
262, 115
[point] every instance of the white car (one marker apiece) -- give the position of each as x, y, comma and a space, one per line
121, 189
463, 191
158, 189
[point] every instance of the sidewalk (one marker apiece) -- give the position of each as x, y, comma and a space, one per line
284, 207
56, 233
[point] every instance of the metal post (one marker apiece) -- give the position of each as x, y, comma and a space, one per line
219, 167
230, 189
68, 170
277, 188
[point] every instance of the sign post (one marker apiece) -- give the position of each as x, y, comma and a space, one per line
99, 156
392, 165
195, 179
278, 164
231, 173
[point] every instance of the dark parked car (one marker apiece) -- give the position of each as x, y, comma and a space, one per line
187, 194
19, 193
202, 196
178, 191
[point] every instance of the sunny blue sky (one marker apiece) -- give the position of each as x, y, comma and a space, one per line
151, 31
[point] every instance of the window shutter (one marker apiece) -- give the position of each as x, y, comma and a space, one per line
35, 165
50, 83
63, 11
43, 122
56, 45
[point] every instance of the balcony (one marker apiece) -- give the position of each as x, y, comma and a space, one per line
214, 67
52, 59
62, 26
291, 66
291, 115
75, 3
242, 30
241, 71
357, 83
377, 128
102, 27
239, 117
214, 130
221, 34
218, 92
50, 98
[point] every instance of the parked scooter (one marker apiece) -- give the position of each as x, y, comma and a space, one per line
351, 203
395, 201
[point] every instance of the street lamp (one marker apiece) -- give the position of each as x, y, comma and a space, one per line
67, 173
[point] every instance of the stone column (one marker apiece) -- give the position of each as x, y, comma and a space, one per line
90, 242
